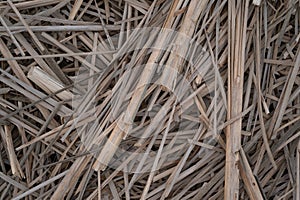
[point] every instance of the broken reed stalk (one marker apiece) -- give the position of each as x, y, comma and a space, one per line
120, 132
238, 16
43, 80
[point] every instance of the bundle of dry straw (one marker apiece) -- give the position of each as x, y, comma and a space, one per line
140, 99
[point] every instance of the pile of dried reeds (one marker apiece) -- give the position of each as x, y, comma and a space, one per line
140, 99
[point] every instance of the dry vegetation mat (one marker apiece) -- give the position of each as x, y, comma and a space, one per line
149, 99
